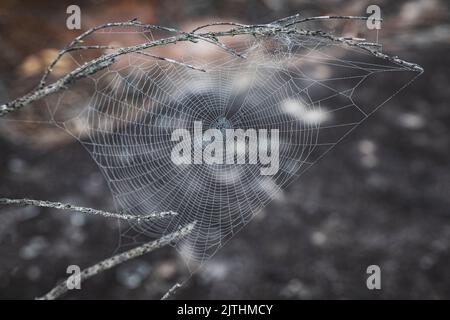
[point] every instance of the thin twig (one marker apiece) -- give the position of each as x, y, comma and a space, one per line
171, 61
219, 24
285, 19
84, 210
171, 291
303, 20
109, 263
131, 23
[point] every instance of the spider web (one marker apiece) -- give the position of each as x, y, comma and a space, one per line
310, 89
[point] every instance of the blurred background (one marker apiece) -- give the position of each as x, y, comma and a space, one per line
382, 196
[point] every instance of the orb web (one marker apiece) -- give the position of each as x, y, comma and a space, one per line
308, 88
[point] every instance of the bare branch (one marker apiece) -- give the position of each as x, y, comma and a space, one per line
131, 23
109, 263
84, 210
280, 26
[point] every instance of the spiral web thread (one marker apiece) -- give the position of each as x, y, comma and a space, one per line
308, 88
